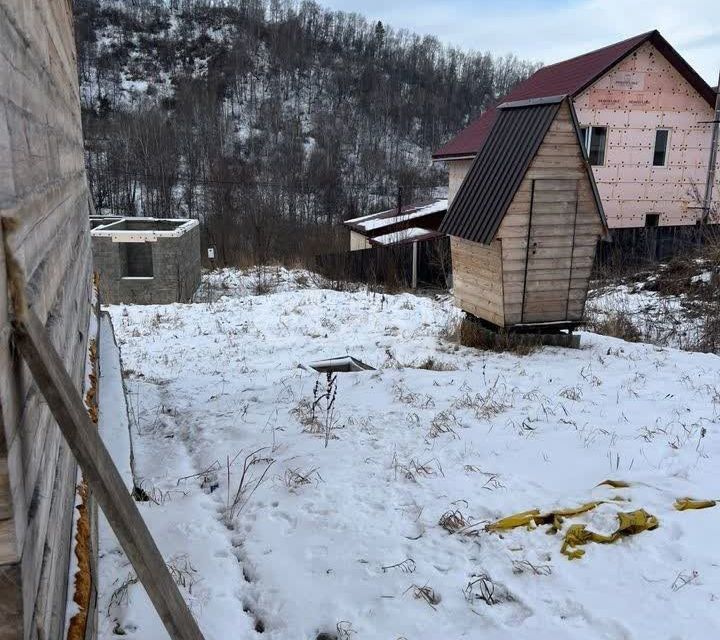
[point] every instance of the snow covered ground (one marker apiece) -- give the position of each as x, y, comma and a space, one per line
666, 307
345, 540
658, 319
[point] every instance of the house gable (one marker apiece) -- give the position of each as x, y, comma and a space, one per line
571, 77
641, 94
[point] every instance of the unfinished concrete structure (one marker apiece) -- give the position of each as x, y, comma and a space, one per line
146, 260
44, 196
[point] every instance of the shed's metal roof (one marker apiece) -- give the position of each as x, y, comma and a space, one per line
499, 167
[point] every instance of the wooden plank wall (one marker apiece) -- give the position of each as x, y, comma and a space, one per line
559, 272
477, 278
42, 186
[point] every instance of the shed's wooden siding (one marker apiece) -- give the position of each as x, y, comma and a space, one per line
559, 272
477, 278
42, 186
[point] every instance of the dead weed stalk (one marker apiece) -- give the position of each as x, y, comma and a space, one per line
250, 480
454, 522
426, 593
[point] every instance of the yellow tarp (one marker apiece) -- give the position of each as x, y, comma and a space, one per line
681, 504
629, 524
615, 484
522, 519
534, 518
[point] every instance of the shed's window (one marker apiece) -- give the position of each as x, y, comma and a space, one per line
595, 141
136, 259
652, 219
661, 146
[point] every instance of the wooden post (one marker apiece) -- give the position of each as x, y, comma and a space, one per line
414, 264
527, 249
707, 201
101, 474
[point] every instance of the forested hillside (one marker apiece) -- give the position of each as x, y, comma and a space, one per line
269, 121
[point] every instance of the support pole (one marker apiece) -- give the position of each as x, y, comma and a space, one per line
414, 264
709, 186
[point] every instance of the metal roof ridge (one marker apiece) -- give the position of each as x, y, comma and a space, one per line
533, 102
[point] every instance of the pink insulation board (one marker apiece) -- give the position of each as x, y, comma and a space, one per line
640, 95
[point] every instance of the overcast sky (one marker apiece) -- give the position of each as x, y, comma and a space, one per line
553, 30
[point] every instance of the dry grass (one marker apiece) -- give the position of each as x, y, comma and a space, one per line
182, 572
444, 422
413, 469
406, 566
525, 566
472, 334
454, 523
121, 594
250, 480
426, 593
296, 478
682, 307
485, 406
616, 324
432, 364
482, 587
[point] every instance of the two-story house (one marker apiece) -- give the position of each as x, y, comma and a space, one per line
646, 117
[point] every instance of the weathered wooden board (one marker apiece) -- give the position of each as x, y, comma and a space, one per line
544, 275
477, 278
584, 229
53, 589
10, 602
44, 190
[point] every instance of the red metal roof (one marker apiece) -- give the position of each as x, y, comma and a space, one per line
570, 77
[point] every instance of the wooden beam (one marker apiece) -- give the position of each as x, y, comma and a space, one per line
103, 477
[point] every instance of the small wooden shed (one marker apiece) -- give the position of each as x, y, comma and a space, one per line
525, 223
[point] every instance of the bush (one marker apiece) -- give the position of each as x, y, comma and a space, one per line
616, 324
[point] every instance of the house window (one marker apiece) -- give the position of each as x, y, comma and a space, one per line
595, 140
662, 137
136, 260
652, 219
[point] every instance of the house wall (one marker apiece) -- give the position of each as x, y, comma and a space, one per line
563, 236
358, 241
457, 170
44, 189
477, 278
175, 266
641, 94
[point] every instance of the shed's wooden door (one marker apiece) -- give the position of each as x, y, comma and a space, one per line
549, 258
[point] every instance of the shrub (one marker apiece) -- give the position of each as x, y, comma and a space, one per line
616, 324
